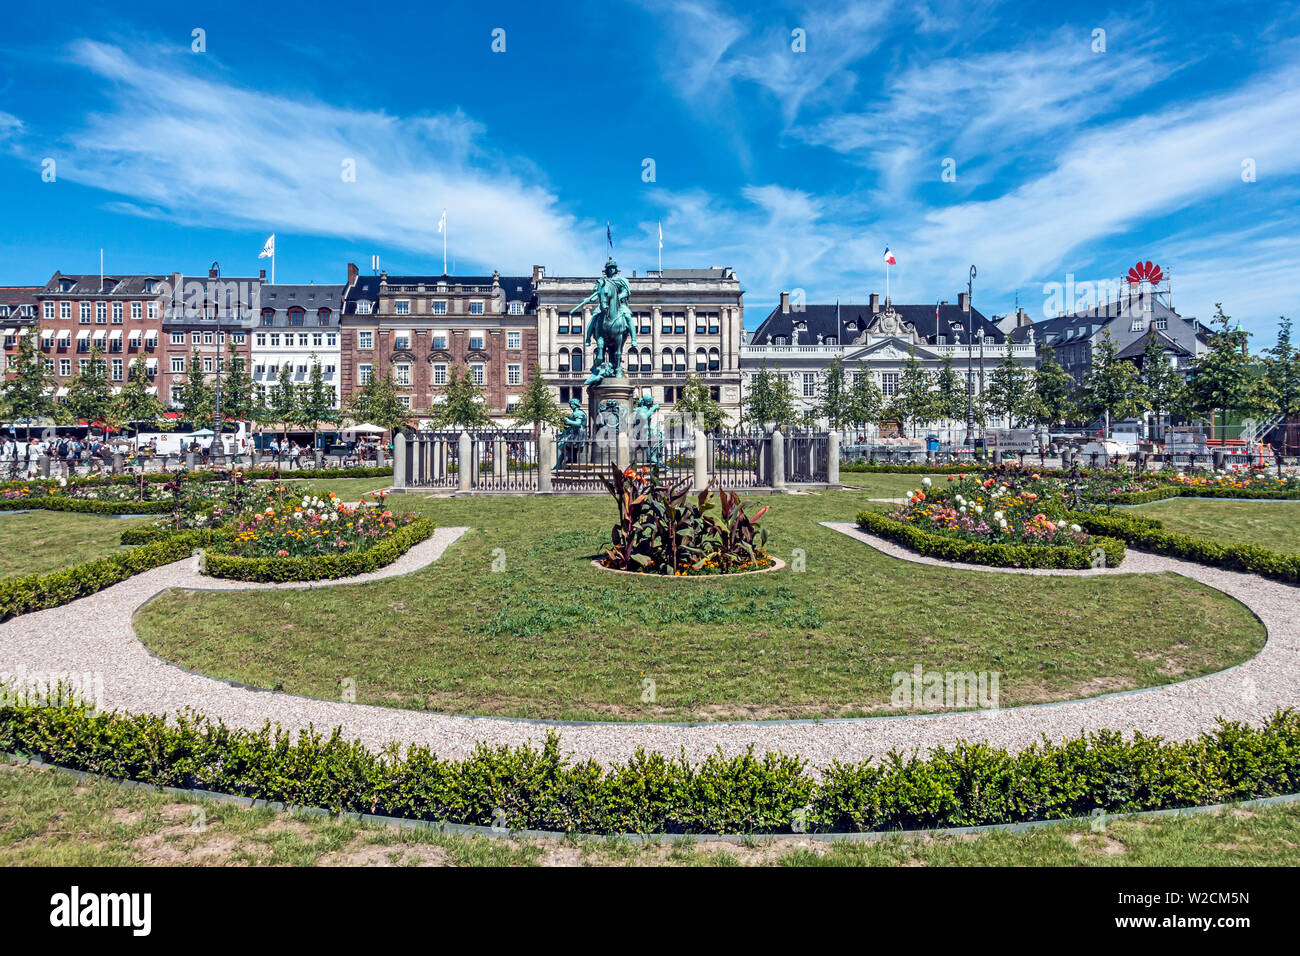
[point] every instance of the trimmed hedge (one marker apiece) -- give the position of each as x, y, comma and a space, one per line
1150, 535
969, 784
162, 477
936, 468
1164, 492
85, 505
36, 592
948, 548
319, 567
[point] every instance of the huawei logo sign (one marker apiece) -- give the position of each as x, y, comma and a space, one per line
1145, 272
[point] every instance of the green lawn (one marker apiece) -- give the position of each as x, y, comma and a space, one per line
885, 485
35, 542
1270, 524
49, 818
348, 489
546, 635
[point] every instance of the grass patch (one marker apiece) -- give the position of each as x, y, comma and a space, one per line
348, 489
1269, 524
36, 542
49, 818
514, 621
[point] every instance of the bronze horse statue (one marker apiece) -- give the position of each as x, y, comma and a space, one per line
611, 324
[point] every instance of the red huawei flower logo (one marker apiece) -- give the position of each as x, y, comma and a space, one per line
1145, 271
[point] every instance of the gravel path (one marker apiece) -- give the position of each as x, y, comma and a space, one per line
94, 635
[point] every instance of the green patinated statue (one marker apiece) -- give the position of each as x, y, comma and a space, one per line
645, 430
575, 432
611, 324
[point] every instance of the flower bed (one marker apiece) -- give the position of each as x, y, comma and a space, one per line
317, 566
1009, 517
663, 529
969, 784
293, 526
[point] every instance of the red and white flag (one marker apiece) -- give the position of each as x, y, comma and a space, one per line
889, 257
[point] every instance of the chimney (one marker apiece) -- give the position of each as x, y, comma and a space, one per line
963, 301
1022, 318
785, 303
539, 273
353, 272
875, 302
261, 274
212, 272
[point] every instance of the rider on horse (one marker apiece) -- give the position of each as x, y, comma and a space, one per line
611, 324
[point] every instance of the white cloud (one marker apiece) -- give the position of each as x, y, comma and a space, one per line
202, 152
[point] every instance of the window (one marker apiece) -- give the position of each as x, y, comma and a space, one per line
363, 307
317, 339
365, 340
195, 337
1162, 323
715, 362
633, 361
667, 364
322, 316
888, 383
207, 363
268, 316
563, 363
65, 367
402, 342
117, 313
514, 340
440, 308
713, 323
135, 310
476, 308
402, 307
85, 313
643, 320
809, 384
297, 316
404, 400
153, 310
403, 373
679, 323
699, 323
476, 340
237, 337
207, 338
65, 310
680, 360
328, 370
331, 339
477, 370
275, 340
117, 370
516, 307
178, 338
666, 322
701, 360
101, 312
302, 340
364, 373
439, 340
514, 374
575, 358
178, 364
49, 310
439, 374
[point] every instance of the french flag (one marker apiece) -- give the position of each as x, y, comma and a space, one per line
889, 257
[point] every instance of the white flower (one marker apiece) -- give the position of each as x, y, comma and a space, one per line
997, 516
961, 500
1002, 522
1075, 528
979, 509
962, 509
927, 482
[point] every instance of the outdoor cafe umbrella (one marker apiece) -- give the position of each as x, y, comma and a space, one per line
364, 429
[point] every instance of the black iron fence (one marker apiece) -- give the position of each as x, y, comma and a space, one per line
806, 460
503, 460
581, 464
739, 458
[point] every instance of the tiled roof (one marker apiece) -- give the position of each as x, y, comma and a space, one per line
515, 288
281, 298
97, 285
845, 322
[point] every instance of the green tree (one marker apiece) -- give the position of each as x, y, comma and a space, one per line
283, 401
90, 396
696, 402
377, 402
1283, 365
1009, 389
465, 406
913, 400
317, 401
1227, 381
28, 392
197, 397
949, 401
769, 399
236, 388
1053, 388
866, 401
1111, 387
834, 398
1164, 387
135, 403
537, 406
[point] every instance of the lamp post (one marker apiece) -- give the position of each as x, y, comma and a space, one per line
970, 349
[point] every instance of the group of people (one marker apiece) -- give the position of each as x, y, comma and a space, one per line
20, 458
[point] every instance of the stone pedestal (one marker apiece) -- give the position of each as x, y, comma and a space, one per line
619, 390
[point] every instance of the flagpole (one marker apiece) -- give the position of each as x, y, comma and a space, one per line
444, 243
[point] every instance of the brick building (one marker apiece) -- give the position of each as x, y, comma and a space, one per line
121, 315
419, 327
17, 319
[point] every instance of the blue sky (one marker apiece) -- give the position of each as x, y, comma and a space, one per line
796, 168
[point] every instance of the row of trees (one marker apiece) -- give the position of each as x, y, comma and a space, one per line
1227, 381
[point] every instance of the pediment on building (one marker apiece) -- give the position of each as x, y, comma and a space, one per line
892, 349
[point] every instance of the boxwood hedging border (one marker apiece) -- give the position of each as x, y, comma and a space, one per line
162, 477
36, 592
1164, 492
948, 548
91, 506
319, 567
1149, 534
530, 788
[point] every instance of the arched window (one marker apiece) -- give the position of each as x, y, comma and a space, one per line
681, 360
322, 316
714, 360
701, 360
564, 361
667, 362
575, 358
647, 361
633, 360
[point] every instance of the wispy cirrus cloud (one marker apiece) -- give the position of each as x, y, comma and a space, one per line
196, 150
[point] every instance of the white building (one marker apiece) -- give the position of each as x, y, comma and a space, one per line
298, 326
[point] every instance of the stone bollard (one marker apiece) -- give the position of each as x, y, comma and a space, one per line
43, 465
381, 457
776, 449
545, 460
1219, 456
465, 467
190, 460
499, 463
701, 460
399, 461
118, 463
833, 458
623, 450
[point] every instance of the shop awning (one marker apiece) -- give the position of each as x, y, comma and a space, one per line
61, 393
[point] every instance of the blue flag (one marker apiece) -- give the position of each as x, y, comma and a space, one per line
609, 236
